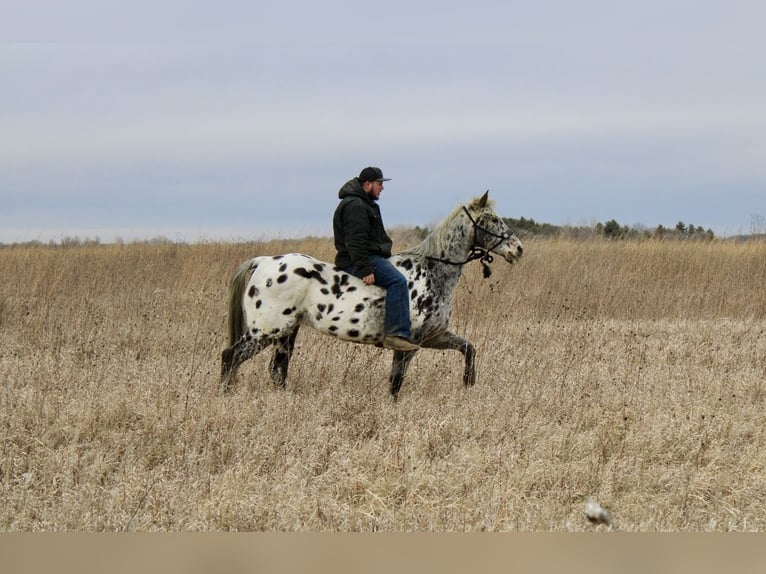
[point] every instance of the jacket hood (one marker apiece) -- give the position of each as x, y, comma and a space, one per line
352, 188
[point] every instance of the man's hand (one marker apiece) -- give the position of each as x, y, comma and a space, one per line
369, 279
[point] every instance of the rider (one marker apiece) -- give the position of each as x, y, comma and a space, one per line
364, 248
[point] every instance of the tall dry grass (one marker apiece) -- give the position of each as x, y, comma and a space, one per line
631, 372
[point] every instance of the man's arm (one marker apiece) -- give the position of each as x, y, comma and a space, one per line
356, 227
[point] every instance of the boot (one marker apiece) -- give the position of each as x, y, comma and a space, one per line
399, 343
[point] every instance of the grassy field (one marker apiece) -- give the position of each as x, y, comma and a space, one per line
632, 372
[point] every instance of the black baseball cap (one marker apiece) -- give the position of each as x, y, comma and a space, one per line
372, 174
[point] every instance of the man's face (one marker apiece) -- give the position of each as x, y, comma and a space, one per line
373, 189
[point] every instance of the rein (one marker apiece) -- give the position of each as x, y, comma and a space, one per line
477, 252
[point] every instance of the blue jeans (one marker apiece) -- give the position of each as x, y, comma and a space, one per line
397, 320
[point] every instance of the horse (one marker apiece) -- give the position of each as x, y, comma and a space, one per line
271, 296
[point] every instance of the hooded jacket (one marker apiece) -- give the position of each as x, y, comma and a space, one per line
358, 229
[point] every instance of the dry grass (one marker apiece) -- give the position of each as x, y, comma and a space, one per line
631, 372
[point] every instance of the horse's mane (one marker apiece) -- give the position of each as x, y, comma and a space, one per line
437, 241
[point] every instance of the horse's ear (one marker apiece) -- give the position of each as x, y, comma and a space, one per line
483, 200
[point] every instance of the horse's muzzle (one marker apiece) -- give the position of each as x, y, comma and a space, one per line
514, 253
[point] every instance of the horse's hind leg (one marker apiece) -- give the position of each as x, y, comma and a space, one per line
399, 369
237, 354
280, 361
449, 340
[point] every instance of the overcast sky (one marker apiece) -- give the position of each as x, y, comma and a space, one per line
239, 119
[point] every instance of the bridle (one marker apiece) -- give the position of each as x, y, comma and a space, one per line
477, 252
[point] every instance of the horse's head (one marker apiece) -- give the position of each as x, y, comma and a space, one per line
491, 233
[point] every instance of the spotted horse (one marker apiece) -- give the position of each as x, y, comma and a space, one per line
270, 297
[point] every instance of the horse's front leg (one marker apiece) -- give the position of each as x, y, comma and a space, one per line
447, 340
399, 369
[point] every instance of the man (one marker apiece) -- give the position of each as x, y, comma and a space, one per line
364, 248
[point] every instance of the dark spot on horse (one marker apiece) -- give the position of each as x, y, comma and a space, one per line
318, 266
277, 257
324, 291
251, 293
282, 278
410, 285
336, 318
353, 333
282, 267
275, 331
258, 304
359, 308
321, 307
379, 302
313, 274
354, 321
425, 303
333, 328
330, 307
406, 264
350, 289
288, 311
338, 282
269, 282
318, 316
414, 294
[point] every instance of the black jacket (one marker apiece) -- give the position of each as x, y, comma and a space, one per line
358, 229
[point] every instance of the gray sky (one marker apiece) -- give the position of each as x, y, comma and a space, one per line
240, 120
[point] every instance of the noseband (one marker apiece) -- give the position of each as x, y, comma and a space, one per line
477, 252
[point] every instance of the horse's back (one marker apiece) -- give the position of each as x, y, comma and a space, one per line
279, 274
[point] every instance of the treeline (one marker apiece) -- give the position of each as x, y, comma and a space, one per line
611, 229
521, 226
70, 241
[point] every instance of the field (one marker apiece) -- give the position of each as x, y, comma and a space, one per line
630, 372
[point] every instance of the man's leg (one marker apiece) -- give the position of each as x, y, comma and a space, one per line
397, 296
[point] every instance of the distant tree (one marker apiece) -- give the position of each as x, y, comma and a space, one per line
525, 225
612, 229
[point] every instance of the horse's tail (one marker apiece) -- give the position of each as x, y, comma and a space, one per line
236, 292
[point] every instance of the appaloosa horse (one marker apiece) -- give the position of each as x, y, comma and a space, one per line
270, 297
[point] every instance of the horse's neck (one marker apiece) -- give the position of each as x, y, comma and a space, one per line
459, 240
447, 276
452, 254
